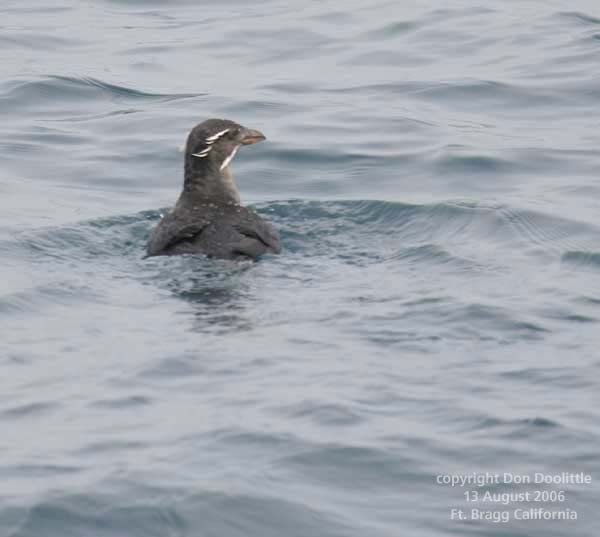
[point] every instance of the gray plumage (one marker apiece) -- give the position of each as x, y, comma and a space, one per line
208, 218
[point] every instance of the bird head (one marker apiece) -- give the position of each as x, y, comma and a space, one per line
214, 142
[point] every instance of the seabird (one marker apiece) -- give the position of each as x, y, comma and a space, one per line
208, 217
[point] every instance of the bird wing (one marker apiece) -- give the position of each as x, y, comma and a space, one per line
253, 226
176, 226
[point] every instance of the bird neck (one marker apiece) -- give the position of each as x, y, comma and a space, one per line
204, 182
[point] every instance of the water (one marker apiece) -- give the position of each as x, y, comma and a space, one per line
433, 170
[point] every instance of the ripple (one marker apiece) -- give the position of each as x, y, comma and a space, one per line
130, 401
490, 423
44, 471
582, 260
392, 30
29, 410
580, 17
46, 93
341, 464
42, 296
301, 222
322, 413
108, 447
473, 93
551, 231
473, 164
173, 368
433, 254
36, 41
171, 513
101, 238
562, 377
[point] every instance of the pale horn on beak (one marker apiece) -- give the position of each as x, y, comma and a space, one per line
252, 136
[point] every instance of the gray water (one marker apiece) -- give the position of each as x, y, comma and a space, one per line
434, 171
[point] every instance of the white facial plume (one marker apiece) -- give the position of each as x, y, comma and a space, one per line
229, 158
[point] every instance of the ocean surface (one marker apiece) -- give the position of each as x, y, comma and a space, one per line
434, 171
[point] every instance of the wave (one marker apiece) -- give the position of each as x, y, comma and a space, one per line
418, 230
18, 96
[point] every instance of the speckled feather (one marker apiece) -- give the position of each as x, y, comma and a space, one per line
227, 231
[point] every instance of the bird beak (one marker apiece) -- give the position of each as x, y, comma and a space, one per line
252, 136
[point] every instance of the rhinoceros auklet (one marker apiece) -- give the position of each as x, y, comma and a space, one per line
208, 217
